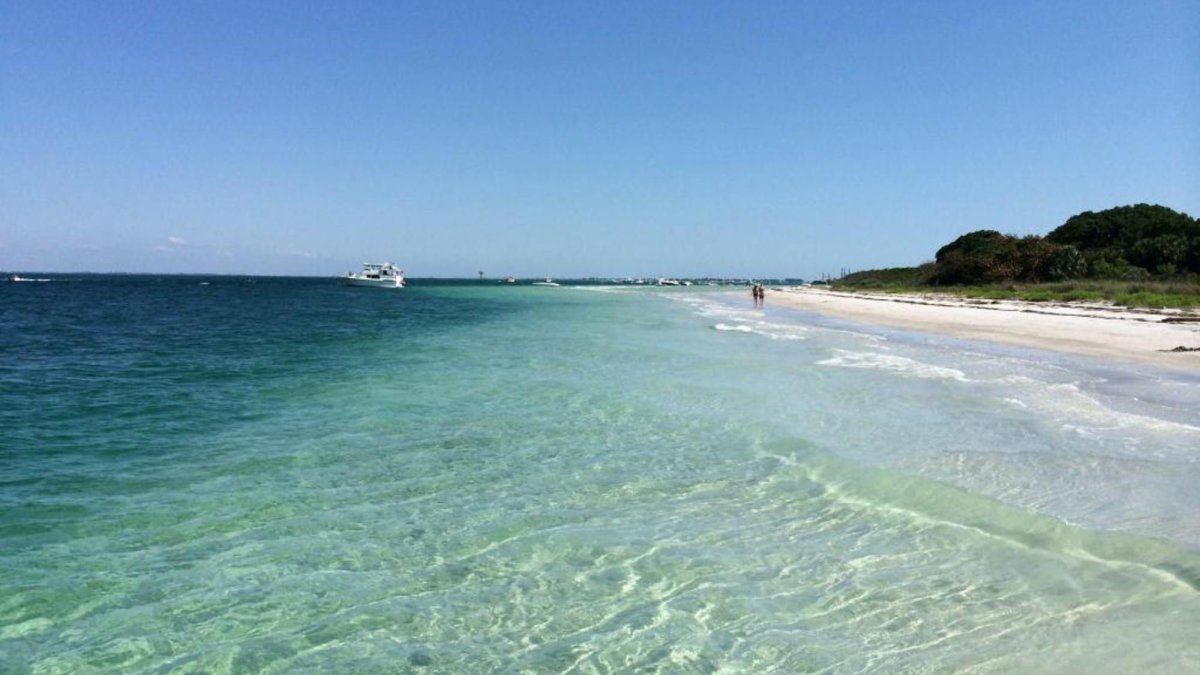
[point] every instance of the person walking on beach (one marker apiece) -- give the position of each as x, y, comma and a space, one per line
757, 293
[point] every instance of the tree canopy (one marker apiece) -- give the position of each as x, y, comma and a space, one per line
1142, 239
1126, 242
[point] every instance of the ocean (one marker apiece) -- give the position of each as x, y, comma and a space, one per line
243, 475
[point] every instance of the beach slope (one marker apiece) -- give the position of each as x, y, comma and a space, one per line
1103, 331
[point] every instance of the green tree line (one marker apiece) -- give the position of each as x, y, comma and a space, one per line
1131, 243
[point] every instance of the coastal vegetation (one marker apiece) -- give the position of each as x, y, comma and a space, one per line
1142, 255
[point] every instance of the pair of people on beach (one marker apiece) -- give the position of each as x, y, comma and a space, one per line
759, 294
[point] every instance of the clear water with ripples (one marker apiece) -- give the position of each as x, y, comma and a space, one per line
286, 476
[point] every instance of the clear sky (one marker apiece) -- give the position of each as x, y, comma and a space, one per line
578, 138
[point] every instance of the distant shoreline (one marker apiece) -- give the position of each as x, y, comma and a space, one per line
1087, 329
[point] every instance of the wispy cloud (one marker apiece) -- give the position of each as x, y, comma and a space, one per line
177, 241
298, 254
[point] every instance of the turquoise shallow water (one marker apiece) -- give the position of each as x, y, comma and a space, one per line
283, 475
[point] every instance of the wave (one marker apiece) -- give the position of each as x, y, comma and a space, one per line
925, 504
1077, 411
892, 363
741, 320
710, 308
755, 319
1087, 415
1065, 403
1035, 388
739, 328
773, 331
614, 290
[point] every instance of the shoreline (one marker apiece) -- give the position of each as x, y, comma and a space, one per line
1086, 329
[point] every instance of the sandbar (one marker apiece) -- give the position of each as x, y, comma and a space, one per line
1088, 329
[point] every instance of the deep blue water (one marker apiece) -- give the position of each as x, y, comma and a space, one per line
225, 474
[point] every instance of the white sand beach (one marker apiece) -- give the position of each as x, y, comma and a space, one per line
1106, 331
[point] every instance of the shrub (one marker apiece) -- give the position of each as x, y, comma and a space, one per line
1066, 263
1155, 252
983, 256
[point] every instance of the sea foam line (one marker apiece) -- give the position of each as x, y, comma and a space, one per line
890, 362
770, 330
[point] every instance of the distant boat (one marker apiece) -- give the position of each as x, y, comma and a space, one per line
547, 282
378, 275
17, 278
510, 280
667, 282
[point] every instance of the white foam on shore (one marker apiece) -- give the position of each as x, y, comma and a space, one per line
1086, 415
1075, 410
1019, 383
602, 289
712, 309
739, 328
773, 331
1065, 404
741, 320
892, 363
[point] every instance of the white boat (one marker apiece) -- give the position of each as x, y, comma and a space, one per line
380, 275
667, 282
547, 282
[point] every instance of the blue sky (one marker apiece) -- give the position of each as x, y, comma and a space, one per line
578, 138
